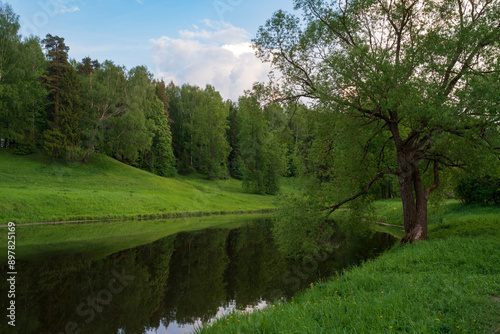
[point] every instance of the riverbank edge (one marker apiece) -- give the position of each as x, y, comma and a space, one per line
447, 284
152, 217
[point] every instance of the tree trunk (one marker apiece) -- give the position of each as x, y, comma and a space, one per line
413, 195
414, 199
191, 152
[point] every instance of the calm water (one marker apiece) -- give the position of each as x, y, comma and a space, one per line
171, 285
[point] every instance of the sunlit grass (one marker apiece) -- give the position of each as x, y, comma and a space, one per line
36, 189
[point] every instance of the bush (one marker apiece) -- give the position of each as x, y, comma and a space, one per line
472, 191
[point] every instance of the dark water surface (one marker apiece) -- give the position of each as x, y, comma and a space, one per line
171, 285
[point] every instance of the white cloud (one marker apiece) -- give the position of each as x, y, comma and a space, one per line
218, 54
65, 7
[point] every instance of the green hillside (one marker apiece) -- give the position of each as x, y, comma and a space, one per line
37, 189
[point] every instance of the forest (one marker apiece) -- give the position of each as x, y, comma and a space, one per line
401, 107
69, 109
377, 116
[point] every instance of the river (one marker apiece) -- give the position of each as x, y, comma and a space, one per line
173, 284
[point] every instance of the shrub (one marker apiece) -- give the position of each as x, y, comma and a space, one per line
473, 191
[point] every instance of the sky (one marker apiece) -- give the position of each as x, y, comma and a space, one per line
192, 41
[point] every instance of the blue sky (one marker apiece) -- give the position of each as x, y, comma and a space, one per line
193, 41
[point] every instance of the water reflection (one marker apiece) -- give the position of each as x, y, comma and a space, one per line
171, 285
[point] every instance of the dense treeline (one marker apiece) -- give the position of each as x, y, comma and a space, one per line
70, 109
22, 96
199, 123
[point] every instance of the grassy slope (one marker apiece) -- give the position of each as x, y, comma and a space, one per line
450, 284
35, 189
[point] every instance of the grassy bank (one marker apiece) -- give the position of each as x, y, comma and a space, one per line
450, 284
36, 189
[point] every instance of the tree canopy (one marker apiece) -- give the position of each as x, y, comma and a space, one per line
22, 97
411, 86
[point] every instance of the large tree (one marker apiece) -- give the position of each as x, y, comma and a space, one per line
57, 66
159, 157
65, 109
420, 77
199, 125
262, 156
22, 97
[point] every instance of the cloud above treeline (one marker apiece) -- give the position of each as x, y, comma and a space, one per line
217, 53
65, 6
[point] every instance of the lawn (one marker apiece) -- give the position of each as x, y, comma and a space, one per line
37, 189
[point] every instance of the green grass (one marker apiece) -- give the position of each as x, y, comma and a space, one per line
448, 218
389, 211
449, 284
36, 189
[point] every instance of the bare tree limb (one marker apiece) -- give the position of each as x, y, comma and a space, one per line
364, 192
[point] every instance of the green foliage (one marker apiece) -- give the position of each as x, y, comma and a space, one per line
262, 155
55, 143
103, 103
130, 134
22, 98
210, 126
486, 191
336, 167
159, 157
87, 67
234, 157
200, 122
125, 117
392, 92
65, 109
300, 228
385, 188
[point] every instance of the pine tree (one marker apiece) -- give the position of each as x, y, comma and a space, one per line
65, 109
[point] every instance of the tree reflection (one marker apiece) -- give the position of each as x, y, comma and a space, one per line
196, 285
181, 279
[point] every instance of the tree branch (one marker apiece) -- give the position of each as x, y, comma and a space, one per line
436, 182
364, 192
486, 182
348, 41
